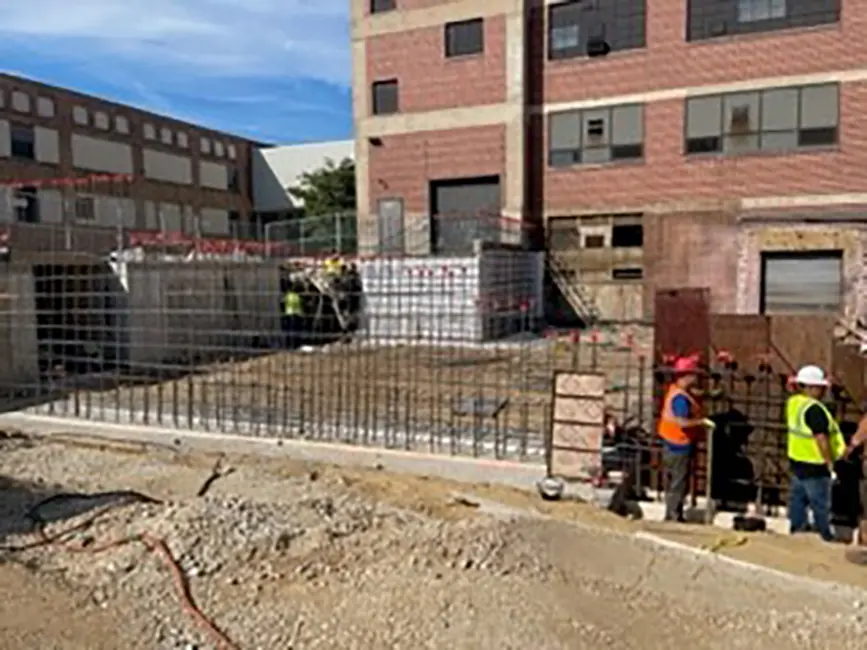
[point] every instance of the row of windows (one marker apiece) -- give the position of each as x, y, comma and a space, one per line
774, 120
22, 141
26, 208
579, 28
21, 102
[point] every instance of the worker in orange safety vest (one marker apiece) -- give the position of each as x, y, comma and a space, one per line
681, 422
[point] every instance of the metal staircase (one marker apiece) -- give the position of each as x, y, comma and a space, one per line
563, 277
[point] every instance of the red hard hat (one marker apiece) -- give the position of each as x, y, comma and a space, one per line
686, 365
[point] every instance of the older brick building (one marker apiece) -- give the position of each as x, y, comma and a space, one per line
718, 143
181, 177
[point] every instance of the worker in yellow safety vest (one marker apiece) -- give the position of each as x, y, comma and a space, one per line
333, 266
815, 443
293, 316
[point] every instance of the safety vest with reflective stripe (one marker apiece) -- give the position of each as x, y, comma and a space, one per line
292, 304
670, 428
801, 444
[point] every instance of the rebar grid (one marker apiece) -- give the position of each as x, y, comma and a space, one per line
442, 354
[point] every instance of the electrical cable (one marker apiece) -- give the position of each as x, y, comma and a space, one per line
154, 544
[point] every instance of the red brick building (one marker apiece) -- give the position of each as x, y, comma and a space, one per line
718, 142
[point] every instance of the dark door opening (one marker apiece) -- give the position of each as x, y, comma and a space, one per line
463, 210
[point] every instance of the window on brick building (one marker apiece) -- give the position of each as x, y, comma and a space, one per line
385, 97
22, 141
465, 37
597, 135
713, 18
578, 28
381, 6
25, 201
85, 208
627, 273
801, 282
773, 120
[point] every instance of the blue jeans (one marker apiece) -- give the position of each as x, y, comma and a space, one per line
815, 494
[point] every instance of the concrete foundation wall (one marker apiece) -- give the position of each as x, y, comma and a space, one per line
18, 345
179, 312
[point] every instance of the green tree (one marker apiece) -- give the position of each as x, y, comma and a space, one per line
328, 197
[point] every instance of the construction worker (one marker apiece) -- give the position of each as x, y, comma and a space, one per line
333, 266
680, 424
293, 315
815, 443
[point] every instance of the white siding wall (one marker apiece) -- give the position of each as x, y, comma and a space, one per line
152, 219
168, 167
215, 221
111, 209
47, 145
214, 175
5, 140
50, 206
5, 205
97, 154
189, 220
172, 217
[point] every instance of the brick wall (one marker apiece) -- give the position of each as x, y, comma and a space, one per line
143, 189
666, 174
670, 62
430, 81
404, 164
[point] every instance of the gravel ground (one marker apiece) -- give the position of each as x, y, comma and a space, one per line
283, 555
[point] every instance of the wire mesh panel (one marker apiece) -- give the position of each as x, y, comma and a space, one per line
215, 334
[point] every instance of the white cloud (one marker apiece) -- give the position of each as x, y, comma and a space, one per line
245, 38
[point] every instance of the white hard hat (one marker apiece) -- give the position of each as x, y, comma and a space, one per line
811, 376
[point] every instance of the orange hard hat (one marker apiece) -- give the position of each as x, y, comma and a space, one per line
686, 366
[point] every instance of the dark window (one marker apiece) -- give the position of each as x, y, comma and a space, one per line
594, 241
234, 180
579, 28
803, 281
775, 120
23, 142
381, 6
629, 273
464, 210
627, 236
385, 97
713, 18
465, 37
596, 135
85, 208
26, 203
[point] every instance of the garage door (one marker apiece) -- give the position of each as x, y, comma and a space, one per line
462, 211
802, 283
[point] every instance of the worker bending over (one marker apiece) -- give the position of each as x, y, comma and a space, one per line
680, 424
815, 443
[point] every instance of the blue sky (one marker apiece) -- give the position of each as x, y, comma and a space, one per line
272, 70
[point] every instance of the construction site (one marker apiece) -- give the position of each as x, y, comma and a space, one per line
433, 358
443, 419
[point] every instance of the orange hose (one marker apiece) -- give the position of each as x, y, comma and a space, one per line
156, 546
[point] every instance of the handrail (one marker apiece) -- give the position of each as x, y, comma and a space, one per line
585, 306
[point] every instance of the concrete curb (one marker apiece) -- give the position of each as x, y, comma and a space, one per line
743, 565
465, 469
